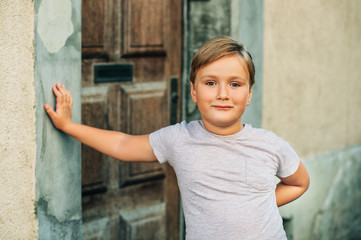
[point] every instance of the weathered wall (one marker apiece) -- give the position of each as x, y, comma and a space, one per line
311, 78
58, 173
17, 122
40, 167
311, 98
331, 208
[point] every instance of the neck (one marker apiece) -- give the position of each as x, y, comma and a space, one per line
223, 130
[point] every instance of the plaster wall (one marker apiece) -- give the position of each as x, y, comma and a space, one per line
58, 162
17, 122
311, 98
311, 78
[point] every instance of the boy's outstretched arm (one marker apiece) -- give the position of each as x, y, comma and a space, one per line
292, 187
115, 144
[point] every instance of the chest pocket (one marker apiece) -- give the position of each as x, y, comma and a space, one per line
260, 174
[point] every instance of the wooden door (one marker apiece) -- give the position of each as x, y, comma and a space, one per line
131, 59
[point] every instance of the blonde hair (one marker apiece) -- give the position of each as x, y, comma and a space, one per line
219, 47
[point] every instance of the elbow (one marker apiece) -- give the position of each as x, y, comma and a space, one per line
307, 183
304, 178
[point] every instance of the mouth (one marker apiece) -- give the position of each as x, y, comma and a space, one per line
222, 107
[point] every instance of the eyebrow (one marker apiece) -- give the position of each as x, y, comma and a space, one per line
215, 76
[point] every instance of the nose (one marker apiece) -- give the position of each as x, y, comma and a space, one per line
222, 92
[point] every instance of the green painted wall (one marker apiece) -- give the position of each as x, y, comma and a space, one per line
331, 207
58, 161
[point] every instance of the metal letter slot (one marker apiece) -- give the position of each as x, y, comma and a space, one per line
104, 73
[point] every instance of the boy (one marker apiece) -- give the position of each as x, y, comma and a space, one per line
226, 170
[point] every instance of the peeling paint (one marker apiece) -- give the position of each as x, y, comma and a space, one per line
330, 208
58, 161
54, 24
68, 229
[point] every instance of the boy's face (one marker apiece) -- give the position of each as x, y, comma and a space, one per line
222, 92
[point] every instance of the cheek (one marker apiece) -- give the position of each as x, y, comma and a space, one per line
205, 96
240, 98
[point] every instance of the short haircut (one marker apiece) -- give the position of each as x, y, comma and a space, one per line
219, 47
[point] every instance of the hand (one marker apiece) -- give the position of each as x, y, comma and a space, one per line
64, 102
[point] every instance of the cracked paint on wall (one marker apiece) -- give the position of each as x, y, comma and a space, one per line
54, 23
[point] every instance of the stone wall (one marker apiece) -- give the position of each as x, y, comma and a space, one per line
17, 122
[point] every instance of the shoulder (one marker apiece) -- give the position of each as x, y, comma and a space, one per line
262, 134
179, 128
284, 154
269, 139
188, 127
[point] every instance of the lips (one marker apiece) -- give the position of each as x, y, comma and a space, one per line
221, 107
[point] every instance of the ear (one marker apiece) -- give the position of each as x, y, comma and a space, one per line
193, 93
249, 96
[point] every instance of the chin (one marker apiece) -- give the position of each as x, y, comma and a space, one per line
225, 124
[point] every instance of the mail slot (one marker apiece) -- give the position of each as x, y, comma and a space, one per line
104, 73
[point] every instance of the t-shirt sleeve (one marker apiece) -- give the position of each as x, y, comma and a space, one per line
288, 160
162, 142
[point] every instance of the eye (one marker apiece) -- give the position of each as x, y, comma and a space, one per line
235, 84
210, 83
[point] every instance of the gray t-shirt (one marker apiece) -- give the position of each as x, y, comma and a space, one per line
227, 183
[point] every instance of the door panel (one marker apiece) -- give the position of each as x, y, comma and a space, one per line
94, 107
144, 223
93, 26
143, 24
131, 51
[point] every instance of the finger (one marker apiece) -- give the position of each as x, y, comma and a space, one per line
49, 110
59, 95
69, 98
66, 94
61, 88
56, 91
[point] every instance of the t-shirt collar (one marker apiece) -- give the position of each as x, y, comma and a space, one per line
242, 134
